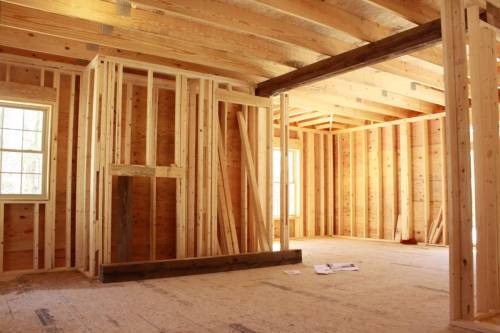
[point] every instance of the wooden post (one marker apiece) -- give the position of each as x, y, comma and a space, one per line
309, 179
394, 179
268, 160
329, 181
406, 182
284, 133
180, 161
200, 172
459, 186
482, 52
320, 171
244, 198
352, 184
364, 143
191, 151
444, 178
340, 184
69, 172
380, 185
427, 188
81, 254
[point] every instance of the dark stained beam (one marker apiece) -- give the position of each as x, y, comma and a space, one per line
366, 55
190, 266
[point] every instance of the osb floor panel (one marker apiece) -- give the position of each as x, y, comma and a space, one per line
398, 289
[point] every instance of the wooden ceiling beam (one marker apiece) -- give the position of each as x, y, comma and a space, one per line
416, 11
330, 105
237, 18
149, 24
375, 94
82, 53
394, 83
330, 16
373, 53
162, 46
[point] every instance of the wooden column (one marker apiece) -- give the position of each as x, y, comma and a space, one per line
340, 184
309, 184
284, 219
366, 225
406, 182
200, 172
459, 185
380, 185
394, 179
320, 193
329, 181
352, 184
484, 94
427, 187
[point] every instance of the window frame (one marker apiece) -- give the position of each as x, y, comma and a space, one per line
294, 144
45, 151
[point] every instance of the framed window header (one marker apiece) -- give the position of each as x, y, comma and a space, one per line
24, 149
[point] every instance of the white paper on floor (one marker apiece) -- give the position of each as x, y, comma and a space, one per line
292, 272
336, 267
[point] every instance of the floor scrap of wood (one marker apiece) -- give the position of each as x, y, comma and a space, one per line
398, 289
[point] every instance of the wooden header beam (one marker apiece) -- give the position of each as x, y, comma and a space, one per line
366, 55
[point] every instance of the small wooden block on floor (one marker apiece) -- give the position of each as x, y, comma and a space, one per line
142, 270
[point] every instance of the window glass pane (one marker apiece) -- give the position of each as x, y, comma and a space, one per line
276, 199
291, 199
11, 162
12, 139
32, 163
276, 165
33, 120
32, 141
32, 184
13, 118
11, 183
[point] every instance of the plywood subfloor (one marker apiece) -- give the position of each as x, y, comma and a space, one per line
399, 289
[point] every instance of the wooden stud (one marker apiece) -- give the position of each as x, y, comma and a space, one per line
284, 186
366, 225
330, 185
200, 163
394, 180
81, 255
191, 178
261, 229
444, 178
321, 188
310, 212
244, 197
406, 182
459, 186
268, 162
128, 123
482, 57
427, 187
380, 185
69, 171
352, 185
340, 184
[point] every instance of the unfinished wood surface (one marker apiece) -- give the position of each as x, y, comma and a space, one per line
284, 186
330, 202
264, 242
459, 182
484, 122
180, 267
406, 183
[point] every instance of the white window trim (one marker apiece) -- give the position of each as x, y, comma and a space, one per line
46, 131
